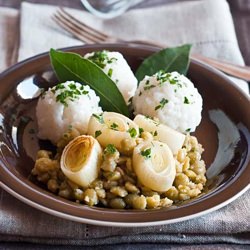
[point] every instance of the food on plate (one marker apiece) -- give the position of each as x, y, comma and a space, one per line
66, 104
80, 160
117, 68
161, 132
154, 165
170, 97
114, 128
109, 160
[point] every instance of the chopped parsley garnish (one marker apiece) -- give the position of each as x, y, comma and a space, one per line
132, 132
73, 92
101, 58
163, 102
155, 133
186, 101
162, 77
149, 87
110, 149
114, 126
188, 130
99, 118
141, 130
110, 72
146, 153
97, 133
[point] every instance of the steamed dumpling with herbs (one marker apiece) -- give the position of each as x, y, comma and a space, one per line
65, 105
117, 68
170, 97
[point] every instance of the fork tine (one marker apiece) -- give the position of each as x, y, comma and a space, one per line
71, 30
97, 34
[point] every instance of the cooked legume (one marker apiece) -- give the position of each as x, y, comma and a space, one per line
117, 185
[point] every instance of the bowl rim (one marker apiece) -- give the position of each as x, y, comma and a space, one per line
31, 199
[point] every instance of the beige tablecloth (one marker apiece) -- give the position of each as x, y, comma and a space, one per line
208, 26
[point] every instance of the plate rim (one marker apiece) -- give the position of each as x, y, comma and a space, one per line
128, 224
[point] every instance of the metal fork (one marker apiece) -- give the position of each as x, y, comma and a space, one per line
89, 35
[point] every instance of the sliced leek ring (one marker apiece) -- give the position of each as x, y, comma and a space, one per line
161, 132
112, 128
80, 160
154, 165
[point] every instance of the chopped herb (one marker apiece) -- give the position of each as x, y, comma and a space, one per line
114, 126
112, 59
163, 102
188, 130
97, 133
85, 92
140, 131
59, 86
99, 118
101, 58
186, 101
155, 133
110, 72
162, 76
147, 82
149, 87
146, 153
132, 132
110, 149
68, 94
149, 117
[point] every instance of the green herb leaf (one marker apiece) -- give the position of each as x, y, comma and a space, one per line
97, 133
99, 118
110, 149
114, 126
186, 101
132, 132
169, 60
163, 102
146, 153
71, 66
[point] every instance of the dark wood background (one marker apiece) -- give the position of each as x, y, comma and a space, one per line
239, 8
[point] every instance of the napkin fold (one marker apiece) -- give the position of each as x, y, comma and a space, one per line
208, 26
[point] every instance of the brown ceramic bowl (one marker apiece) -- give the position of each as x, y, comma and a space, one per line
18, 147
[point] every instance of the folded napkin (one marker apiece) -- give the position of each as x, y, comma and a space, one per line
8, 37
208, 26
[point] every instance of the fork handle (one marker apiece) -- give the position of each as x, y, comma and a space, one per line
242, 72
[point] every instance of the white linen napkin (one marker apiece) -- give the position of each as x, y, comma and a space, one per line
208, 26
9, 30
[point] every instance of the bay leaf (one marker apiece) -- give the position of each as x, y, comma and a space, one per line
72, 67
169, 60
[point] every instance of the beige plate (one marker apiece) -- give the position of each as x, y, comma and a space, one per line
18, 146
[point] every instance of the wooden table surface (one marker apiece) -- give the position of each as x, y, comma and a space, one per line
239, 8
